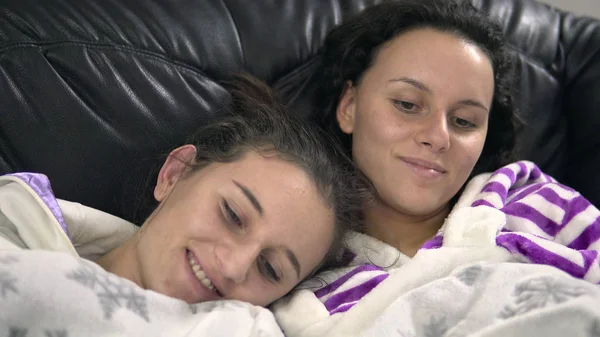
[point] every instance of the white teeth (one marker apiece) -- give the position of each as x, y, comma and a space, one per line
207, 283
200, 273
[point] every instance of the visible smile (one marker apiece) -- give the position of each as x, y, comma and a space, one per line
201, 274
424, 168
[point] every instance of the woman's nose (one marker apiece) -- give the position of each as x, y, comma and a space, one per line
434, 133
236, 260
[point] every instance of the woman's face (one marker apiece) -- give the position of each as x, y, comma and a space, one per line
248, 230
418, 118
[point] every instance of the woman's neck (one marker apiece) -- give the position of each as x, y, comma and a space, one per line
122, 261
407, 233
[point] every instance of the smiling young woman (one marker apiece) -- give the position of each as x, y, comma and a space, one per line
252, 206
417, 132
420, 93
256, 201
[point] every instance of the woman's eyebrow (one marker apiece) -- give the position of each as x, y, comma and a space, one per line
474, 103
250, 196
423, 87
413, 82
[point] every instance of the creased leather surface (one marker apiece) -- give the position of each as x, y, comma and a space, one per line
92, 90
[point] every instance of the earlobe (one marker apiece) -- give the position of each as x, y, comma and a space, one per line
346, 109
176, 164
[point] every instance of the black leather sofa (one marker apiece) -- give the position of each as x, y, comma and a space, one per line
91, 91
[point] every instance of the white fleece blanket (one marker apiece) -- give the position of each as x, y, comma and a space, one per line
467, 285
443, 292
46, 293
49, 285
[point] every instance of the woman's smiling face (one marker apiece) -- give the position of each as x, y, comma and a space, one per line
418, 118
248, 230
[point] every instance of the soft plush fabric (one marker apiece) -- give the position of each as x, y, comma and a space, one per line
50, 286
475, 276
93, 91
46, 293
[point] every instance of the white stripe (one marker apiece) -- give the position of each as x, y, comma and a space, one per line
561, 191
523, 190
577, 225
526, 178
520, 224
558, 189
548, 209
502, 179
558, 249
593, 274
515, 170
595, 246
492, 197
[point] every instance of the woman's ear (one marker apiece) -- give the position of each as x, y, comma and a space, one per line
176, 164
346, 108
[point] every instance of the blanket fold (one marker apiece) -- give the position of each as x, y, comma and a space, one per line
50, 286
517, 256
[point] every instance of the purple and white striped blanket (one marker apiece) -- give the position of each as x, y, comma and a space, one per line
518, 254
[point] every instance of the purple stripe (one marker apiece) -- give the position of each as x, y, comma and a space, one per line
589, 256
354, 294
523, 172
577, 205
516, 243
510, 174
523, 191
525, 211
590, 235
482, 202
434, 243
337, 283
497, 188
536, 173
552, 197
342, 308
41, 185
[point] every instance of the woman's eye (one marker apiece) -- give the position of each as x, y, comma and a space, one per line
463, 123
406, 106
231, 215
268, 270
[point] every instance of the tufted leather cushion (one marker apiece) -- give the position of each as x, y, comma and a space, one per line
91, 91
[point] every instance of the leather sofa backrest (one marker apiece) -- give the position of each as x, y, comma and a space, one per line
91, 91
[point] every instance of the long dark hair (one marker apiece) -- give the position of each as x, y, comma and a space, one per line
258, 121
350, 48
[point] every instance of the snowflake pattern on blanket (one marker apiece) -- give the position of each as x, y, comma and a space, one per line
540, 292
113, 292
20, 332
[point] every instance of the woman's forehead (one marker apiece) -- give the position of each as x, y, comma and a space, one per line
277, 187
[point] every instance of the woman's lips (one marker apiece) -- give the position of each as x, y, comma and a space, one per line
204, 291
424, 168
